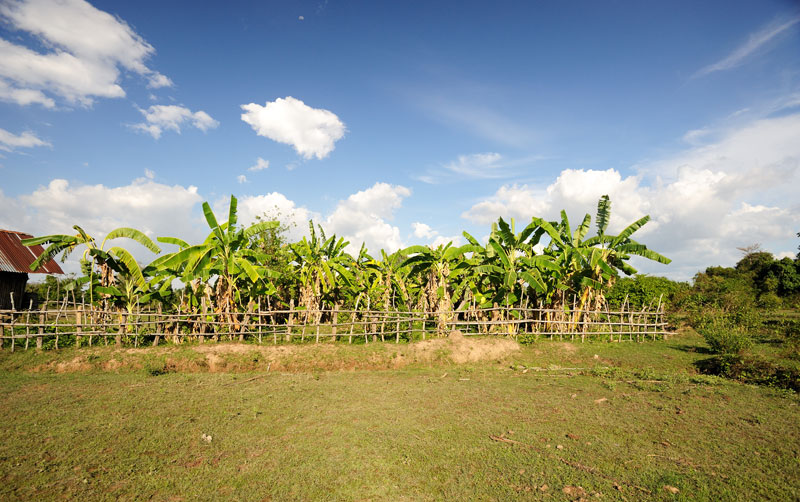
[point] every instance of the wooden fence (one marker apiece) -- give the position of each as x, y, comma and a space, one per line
65, 323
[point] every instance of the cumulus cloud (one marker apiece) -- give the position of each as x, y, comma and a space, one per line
76, 67
154, 208
9, 141
260, 165
276, 206
159, 118
241, 178
423, 231
432, 237
24, 97
704, 202
311, 131
362, 217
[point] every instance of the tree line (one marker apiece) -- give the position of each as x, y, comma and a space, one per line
545, 263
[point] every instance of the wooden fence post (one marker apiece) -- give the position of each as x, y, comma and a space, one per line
40, 334
28, 322
78, 325
290, 321
159, 325
121, 327
258, 319
318, 318
334, 320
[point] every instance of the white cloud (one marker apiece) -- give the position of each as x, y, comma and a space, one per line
362, 217
423, 231
755, 42
704, 202
477, 165
490, 165
24, 97
10, 141
432, 237
311, 131
275, 205
171, 117
696, 136
157, 81
510, 201
241, 178
77, 67
260, 165
154, 208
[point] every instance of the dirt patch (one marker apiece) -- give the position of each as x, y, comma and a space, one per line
464, 350
77, 364
238, 357
567, 347
461, 349
112, 364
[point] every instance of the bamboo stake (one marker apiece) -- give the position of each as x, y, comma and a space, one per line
290, 321
318, 319
39, 338
78, 325
159, 326
203, 319
27, 321
13, 320
258, 319
334, 322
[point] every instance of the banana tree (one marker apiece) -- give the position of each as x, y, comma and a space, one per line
223, 255
439, 271
108, 261
322, 266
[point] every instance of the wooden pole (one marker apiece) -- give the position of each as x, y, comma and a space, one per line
27, 324
203, 318
120, 330
159, 325
78, 325
39, 338
258, 319
334, 321
318, 319
290, 321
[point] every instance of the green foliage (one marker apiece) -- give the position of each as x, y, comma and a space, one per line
547, 262
724, 337
643, 289
753, 370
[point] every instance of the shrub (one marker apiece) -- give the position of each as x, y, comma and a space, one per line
753, 370
724, 338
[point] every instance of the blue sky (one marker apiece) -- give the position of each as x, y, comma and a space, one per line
404, 123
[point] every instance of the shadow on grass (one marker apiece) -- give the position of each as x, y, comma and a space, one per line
696, 349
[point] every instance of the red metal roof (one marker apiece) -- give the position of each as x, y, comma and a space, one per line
14, 257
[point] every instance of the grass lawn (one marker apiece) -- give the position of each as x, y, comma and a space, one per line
592, 421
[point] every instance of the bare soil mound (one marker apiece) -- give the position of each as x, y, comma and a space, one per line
461, 349
240, 357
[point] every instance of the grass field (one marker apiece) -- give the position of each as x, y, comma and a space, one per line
551, 421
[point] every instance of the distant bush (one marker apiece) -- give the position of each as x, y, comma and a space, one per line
723, 337
642, 290
753, 370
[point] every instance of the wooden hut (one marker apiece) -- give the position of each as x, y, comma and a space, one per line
15, 263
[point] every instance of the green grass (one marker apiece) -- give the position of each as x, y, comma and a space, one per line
637, 414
